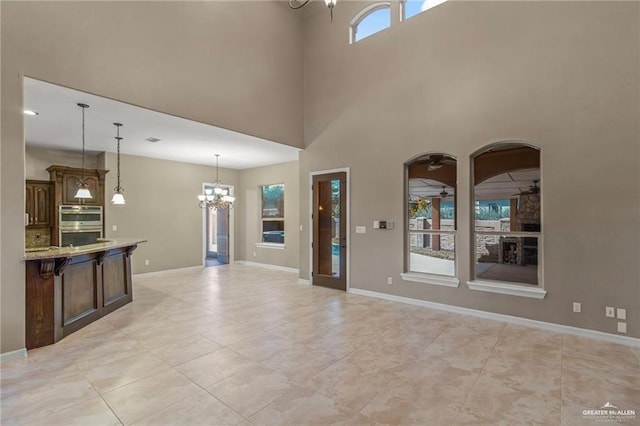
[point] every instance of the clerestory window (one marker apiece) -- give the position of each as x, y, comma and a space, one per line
370, 20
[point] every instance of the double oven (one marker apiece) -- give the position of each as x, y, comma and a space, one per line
79, 225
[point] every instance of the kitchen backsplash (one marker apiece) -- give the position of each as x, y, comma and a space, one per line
37, 237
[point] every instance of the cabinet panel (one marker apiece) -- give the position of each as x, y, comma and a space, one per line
42, 196
70, 183
38, 203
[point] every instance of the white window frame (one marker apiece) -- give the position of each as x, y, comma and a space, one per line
505, 287
262, 219
425, 277
403, 9
353, 25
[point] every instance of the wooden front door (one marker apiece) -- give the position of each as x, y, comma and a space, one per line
330, 231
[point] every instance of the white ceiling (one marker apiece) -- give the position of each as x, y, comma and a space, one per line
59, 122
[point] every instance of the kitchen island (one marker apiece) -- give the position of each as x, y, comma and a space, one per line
68, 288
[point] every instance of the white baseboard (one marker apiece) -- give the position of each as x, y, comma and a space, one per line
266, 265
10, 356
303, 281
185, 269
557, 328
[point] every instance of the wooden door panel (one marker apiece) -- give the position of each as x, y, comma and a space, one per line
330, 231
79, 292
114, 279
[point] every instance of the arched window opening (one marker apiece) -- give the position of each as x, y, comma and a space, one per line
507, 214
431, 214
370, 20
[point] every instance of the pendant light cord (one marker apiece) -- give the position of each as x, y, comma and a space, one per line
118, 138
83, 175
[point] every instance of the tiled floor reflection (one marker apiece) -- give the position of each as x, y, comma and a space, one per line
243, 345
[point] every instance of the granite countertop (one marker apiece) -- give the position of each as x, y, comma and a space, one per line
102, 245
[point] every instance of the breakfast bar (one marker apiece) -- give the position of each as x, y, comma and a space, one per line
68, 288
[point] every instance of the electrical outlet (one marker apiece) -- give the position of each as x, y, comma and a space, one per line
609, 312
146, 262
389, 280
577, 307
301, 227
114, 228
254, 254
622, 327
622, 313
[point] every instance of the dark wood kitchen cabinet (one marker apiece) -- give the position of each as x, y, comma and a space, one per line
39, 203
66, 180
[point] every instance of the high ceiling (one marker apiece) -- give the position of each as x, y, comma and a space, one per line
59, 122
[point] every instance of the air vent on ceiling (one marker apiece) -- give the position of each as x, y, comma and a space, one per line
152, 139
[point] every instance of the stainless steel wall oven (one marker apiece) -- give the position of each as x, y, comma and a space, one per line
79, 225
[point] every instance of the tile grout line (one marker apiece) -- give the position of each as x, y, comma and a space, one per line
504, 327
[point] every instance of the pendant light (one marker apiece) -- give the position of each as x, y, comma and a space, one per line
83, 186
118, 197
217, 198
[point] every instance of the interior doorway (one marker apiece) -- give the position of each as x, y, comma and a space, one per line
217, 233
329, 230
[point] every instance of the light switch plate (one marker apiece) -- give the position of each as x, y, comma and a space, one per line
114, 228
361, 229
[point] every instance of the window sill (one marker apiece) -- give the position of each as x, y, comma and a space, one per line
431, 279
510, 289
275, 246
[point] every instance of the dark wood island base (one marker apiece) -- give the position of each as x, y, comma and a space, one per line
69, 288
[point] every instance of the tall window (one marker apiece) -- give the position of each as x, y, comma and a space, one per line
272, 213
409, 8
507, 212
370, 20
431, 215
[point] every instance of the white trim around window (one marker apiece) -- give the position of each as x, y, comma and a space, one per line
440, 280
276, 246
522, 290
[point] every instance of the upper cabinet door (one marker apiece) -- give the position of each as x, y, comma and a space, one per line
38, 203
70, 184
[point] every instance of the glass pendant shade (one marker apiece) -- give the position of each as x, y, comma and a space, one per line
117, 198
83, 192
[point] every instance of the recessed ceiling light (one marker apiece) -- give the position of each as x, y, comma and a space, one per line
152, 139
29, 112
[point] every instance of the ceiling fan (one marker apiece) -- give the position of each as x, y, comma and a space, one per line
444, 192
533, 189
435, 162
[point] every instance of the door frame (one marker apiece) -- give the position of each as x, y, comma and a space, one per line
346, 170
231, 225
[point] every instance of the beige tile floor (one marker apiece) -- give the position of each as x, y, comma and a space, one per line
247, 345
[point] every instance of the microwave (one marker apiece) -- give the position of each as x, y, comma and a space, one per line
78, 217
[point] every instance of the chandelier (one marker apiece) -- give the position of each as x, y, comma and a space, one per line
298, 4
216, 198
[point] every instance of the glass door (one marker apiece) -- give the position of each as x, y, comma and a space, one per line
330, 230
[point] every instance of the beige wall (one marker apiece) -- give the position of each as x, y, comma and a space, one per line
562, 75
162, 208
37, 160
232, 64
248, 230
